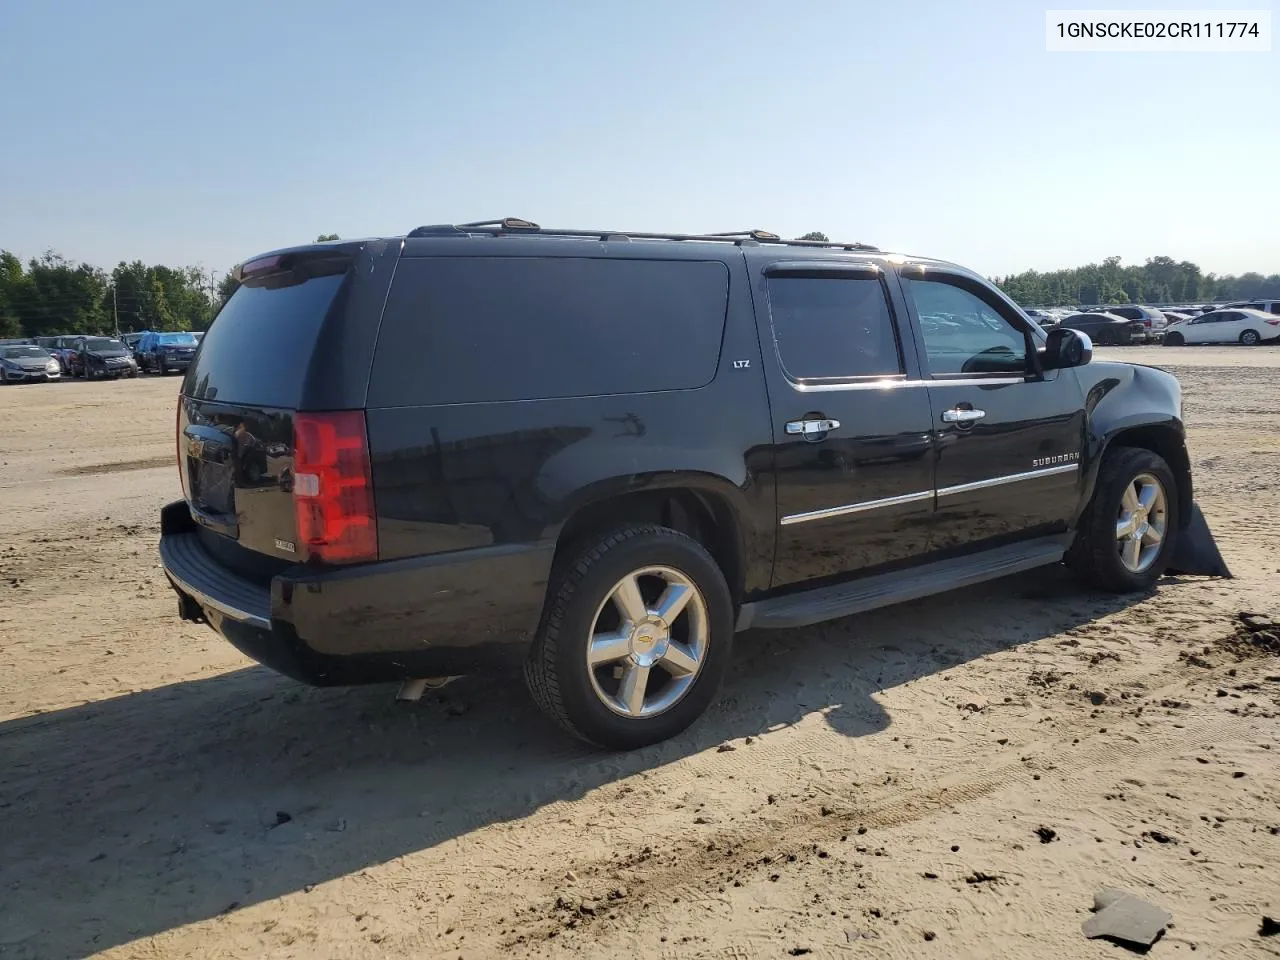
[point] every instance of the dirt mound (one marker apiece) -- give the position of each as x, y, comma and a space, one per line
1255, 635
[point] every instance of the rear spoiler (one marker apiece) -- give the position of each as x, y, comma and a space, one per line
290, 267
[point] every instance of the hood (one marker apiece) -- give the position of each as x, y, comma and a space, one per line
108, 354
28, 363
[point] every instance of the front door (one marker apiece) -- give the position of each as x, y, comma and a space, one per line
851, 421
1009, 439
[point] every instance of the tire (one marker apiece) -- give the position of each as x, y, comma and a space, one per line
1250, 338
1096, 554
1174, 340
580, 602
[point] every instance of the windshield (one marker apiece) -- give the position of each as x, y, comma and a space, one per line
12, 353
102, 343
185, 339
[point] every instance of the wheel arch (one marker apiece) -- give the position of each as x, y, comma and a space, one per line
701, 507
1165, 439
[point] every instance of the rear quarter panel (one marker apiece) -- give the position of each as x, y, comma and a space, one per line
453, 477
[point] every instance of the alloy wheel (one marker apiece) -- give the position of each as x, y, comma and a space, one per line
648, 642
1142, 523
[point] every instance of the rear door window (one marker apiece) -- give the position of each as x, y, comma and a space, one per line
829, 327
477, 329
258, 347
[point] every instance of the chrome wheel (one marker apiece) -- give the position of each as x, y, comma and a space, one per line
1142, 523
648, 642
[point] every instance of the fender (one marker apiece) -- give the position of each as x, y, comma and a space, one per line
1142, 406
1143, 403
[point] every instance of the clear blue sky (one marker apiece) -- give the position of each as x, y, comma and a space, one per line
181, 132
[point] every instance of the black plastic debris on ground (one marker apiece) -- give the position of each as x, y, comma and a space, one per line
1126, 920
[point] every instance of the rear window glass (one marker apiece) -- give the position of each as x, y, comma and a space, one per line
469, 329
258, 347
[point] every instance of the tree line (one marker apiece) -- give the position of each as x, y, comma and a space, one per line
52, 295
1159, 280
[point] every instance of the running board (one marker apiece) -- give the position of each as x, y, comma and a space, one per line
885, 589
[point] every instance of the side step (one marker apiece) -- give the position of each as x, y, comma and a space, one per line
885, 589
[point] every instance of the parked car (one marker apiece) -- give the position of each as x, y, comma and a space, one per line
602, 455
22, 363
1266, 306
59, 347
97, 358
165, 352
1249, 327
1040, 317
1107, 328
1152, 319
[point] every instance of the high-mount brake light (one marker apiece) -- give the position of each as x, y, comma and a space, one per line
333, 487
261, 265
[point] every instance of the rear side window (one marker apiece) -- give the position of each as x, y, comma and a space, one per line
258, 347
833, 327
476, 329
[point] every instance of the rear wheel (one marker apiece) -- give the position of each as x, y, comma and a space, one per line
1250, 338
1126, 536
1174, 340
635, 640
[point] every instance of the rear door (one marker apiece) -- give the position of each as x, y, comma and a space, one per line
851, 420
1008, 438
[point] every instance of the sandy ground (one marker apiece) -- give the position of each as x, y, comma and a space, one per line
868, 788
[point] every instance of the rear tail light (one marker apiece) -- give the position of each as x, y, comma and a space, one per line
1147, 322
1274, 323
333, 487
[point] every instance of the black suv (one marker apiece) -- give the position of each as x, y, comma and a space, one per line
600, 455
162, 352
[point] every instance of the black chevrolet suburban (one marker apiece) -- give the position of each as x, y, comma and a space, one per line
600, 455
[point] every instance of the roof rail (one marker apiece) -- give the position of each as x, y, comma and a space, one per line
515, 225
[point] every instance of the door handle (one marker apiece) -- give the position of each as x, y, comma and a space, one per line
962, 415
808, 428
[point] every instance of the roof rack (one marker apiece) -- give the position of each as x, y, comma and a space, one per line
515, 225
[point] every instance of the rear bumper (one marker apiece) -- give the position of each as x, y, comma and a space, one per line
446, 614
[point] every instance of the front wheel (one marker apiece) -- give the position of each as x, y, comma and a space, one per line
1126, 536
1174, 340
635, 640
1250, 338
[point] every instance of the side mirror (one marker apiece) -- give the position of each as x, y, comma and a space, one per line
1065, 347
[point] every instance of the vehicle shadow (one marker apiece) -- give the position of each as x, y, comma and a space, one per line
107, 809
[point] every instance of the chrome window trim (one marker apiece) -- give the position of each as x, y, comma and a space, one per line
897, 384
856, 507
846, 509
1008, 478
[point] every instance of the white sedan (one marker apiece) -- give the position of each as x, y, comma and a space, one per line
1249, 327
